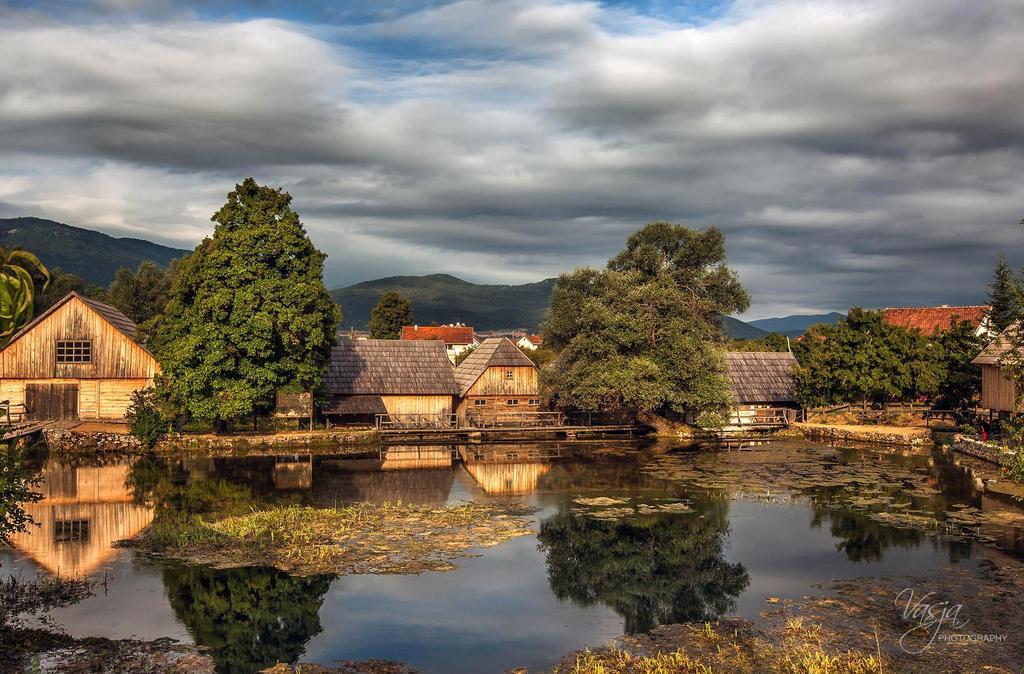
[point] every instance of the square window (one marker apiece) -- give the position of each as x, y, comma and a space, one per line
70, 530
509, 374
512, 401
478, 402
74, 351
534, 401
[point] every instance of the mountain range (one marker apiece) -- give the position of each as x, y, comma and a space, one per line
92, 256
441, 298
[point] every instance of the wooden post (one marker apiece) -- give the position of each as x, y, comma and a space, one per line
310, 410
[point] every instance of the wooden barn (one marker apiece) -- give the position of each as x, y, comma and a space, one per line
406, 380
497, 380
76, 360
762, 386
998, 391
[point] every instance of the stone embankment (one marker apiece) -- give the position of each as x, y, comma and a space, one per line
987, 451
884, 435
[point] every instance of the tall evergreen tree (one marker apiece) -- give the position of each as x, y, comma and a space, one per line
391, 313
1005, 296
248, 313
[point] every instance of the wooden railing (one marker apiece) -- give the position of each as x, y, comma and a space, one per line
511, 418
764, 418
15, 413
399, 421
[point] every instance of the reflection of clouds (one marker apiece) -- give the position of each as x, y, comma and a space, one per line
83, 511
512, 140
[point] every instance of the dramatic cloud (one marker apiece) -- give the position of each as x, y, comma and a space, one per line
854, 152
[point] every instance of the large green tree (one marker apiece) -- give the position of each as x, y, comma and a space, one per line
1005, 296
864, 359
142, 294
61, 283
645, 331
961, 381
391, 313
248, 312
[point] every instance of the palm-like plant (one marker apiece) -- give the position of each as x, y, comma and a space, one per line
19, 270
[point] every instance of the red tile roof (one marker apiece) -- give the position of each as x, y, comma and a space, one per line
934, 319
536, 340
449, 334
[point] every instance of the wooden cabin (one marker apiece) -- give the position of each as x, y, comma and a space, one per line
401, 379
998, 391
762, 386
497, 381
76, 360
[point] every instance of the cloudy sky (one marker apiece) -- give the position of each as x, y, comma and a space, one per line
867, 152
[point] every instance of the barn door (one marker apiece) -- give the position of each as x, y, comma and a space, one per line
50, 402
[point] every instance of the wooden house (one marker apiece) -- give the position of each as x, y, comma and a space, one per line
497, 380
76, 360
399, 378
998, 391
762, 386
933, 320
457, 338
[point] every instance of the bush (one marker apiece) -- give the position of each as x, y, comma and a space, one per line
711, 421
145, 422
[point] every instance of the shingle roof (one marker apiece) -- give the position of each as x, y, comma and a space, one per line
122, 323
363, 404
998, 347
761, 377
492, 352
934, 319
389, 367
449, 334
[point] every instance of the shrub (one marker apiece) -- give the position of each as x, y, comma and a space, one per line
145, 422
711, 421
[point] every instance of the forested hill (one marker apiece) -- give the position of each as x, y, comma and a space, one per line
444, 299
93, 256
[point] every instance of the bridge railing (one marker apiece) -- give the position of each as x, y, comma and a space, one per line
515, 418
13, 413
413, 421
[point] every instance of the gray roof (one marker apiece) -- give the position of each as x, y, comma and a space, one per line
492, 352
998, 347
761, 377
389, 367
363, 404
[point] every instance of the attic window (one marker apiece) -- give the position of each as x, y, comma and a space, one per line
74, 351
509, 374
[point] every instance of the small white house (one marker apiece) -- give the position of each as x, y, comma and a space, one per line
457, 338
530, 342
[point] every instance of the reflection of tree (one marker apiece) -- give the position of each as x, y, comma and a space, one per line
862, 538
16, 483
652, 569
249, 618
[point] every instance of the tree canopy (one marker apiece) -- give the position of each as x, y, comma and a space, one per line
248, 313
142, 294
391, 313
863, 358
644, 332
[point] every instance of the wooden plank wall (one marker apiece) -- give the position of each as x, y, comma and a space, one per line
417, 404
493, 382
997, 391
114, 355
97, 399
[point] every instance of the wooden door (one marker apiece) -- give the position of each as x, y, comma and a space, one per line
51, 402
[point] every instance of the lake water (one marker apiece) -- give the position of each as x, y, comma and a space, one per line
588, 574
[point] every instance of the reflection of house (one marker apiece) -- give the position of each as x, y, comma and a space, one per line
83, 511
931, 320
457, 338
367, 480
998, 391
530, 342
761, 383
388, 376
497, 379
76, 360
507, 478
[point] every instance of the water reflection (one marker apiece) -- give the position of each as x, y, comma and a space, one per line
650, 570
82, 512
251, 618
